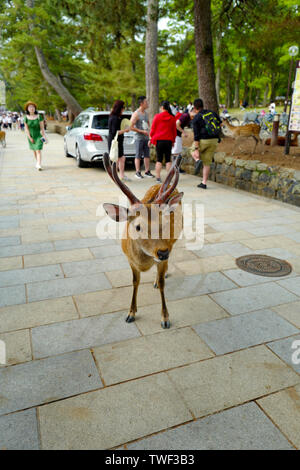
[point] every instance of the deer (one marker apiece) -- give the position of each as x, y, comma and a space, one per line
239, 132
281, 140
145, 241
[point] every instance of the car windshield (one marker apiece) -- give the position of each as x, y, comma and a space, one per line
101, 121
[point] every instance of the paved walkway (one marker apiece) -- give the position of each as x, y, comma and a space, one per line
79, 377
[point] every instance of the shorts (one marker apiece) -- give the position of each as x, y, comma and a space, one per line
207, 148
163, 149
177, 149
141, 148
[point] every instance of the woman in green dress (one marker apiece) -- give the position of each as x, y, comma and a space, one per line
34, 128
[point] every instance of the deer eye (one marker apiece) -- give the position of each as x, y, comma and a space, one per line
138, 228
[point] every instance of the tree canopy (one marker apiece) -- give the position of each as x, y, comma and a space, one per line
96, 49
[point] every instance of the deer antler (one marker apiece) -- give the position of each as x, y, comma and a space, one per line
112, 171
164, 193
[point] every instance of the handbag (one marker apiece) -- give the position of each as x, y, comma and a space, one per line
114, 149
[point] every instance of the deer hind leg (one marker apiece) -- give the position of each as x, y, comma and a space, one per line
135, 282
161, 272
256, 142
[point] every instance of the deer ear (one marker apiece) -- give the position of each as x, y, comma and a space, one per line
117, 213
175, 200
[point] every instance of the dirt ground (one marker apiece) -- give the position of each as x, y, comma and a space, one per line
272, 155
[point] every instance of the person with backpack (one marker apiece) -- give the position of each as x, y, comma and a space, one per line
207, 129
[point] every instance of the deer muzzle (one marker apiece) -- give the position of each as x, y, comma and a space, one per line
163, 254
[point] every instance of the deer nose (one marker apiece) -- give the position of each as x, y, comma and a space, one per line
163, 254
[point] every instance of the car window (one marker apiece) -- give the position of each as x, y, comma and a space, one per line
76, 122
84, 120
100, 122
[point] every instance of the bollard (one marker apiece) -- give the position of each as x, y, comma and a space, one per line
274, 139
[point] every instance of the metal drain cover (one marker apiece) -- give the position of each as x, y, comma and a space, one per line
264, 265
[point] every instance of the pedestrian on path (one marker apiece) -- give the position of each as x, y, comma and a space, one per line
34, 129
206, 126
140, 125
114, 126
163, 134
182, 121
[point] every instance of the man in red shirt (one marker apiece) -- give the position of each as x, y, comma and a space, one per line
163, 134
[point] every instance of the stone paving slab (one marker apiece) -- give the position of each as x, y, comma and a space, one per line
18, 317
219, 249
113, 300
243, 331
206, 265
57, 257
262, 243
65, 287
183, 312
33, 383
284, 410
225, 381
85, 333
6, 241
245, 279
288, 350
13, 262
294, 236
18, 347
191, 286
80, 243
110, 417
12, 295
84, 268
293, 285
29, 249
248, 299
29, 275
149, 354
245, 427
290, 312
19, 431
107, 251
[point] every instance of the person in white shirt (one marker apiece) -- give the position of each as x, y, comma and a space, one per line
272, 108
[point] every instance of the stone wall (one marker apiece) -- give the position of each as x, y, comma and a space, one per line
251, 175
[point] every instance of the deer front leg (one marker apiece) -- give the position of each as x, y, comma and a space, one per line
161, 272
136, 276
237, 140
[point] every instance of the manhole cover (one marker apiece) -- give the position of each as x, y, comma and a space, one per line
264, 265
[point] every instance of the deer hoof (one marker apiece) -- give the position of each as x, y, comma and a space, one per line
165, 324
130, 319
155, 285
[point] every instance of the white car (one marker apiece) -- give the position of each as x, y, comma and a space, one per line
86, 138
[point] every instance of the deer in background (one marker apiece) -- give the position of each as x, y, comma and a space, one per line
281, 140
160, 207
242, 132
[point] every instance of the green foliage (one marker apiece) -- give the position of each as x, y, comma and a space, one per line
96, 47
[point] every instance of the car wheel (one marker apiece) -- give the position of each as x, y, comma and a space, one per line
66, 150
80, 163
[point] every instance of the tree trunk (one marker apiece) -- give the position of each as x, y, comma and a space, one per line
237, 87
56, 83
204, 54
53, 80
265, 102
151, 62
228, 91
218, 73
